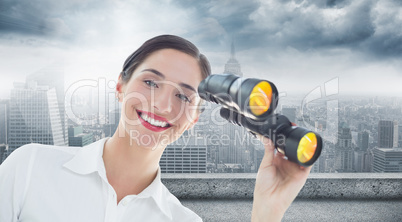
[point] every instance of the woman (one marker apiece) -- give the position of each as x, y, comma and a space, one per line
118, 178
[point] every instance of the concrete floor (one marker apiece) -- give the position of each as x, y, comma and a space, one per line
302, 210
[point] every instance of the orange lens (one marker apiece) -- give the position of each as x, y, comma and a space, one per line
307, 147
260, 98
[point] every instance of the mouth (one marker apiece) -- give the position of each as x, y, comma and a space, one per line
152, 121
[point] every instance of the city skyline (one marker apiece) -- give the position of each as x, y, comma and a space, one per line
355, 117
349, 125
348, 154
298, 45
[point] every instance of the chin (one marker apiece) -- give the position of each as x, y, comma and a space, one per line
147, 139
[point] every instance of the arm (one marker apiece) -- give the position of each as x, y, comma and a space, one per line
277, 185
13, 178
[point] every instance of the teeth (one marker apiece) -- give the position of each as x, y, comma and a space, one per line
152, 121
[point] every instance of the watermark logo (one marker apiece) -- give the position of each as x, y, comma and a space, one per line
106, 95
328, 94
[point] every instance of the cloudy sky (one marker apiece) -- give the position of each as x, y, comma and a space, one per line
299, 45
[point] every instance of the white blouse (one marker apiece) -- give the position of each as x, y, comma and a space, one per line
49, 183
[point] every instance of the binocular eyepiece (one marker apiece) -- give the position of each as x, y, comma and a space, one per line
250, 103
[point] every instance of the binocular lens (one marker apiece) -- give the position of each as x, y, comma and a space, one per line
307, 147
260, 98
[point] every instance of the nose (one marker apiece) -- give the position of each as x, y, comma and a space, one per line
162, 101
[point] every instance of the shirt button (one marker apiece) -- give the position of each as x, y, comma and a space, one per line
125, 202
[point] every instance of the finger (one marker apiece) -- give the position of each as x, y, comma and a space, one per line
269, 153
306, 169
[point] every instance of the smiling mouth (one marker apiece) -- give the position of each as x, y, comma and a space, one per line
150, 121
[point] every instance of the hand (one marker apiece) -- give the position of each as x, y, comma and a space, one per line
277, 185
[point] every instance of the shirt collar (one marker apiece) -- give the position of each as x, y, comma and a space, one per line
89, 159
157, 192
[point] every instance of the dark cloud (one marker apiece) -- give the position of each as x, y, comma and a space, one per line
26, 21
367, 26
44, 18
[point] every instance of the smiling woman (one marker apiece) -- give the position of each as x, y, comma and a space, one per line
166, 83
118, 178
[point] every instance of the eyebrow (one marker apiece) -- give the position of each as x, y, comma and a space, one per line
156, 72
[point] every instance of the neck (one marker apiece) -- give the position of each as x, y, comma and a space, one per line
129, 163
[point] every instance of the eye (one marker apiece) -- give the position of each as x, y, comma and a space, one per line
151, 83
184, 98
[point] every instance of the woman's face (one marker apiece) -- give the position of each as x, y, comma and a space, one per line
160, 99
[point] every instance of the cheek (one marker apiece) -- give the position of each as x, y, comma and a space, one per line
188, 116
138, 98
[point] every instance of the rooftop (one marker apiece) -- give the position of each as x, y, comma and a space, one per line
301, 210
325, 197
390, 149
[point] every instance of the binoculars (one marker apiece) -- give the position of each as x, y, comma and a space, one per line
250, 103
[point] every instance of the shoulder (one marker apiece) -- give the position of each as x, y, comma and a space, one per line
34, 152
34, 148
178, 211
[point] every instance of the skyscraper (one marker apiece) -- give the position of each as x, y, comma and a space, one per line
396, 137
359, 160
233, 66
234, 150
34, 116
4, 121
186, 155
363, 140
385, 134
3, 152
387, 160
53, 76
344, 151
400, 136
76, 137
344, 137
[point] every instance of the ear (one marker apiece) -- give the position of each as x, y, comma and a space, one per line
119, 89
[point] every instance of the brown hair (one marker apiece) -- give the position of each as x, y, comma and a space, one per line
164, 42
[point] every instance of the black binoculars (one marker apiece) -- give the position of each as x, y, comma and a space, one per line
250, 103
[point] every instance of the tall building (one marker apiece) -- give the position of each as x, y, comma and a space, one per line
229, 145
187, 155
344, 160
368, 161
400, 136
385, 134
233, 144
3, 152
76, 137
34, 116
344, 152
323, 162
363, 140
4, 121
387, 160
208, 128
396, 133
344, 137
359, 160
234, 149
53, 76
114, 118
233, 66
